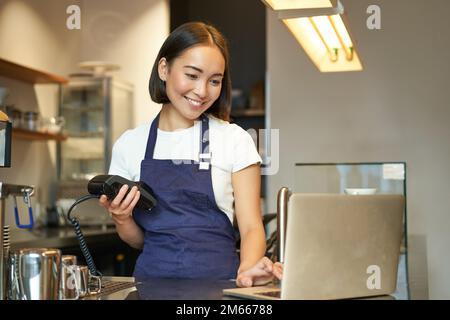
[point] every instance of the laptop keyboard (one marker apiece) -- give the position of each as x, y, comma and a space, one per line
273, 294
109, 287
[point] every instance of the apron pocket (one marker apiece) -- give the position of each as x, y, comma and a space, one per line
198, 199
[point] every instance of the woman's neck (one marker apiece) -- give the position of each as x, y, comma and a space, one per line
170, 119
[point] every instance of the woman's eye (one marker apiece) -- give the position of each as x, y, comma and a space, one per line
216, 82
191, 76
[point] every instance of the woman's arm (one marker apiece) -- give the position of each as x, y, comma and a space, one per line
246, 186
255, 268
131, 233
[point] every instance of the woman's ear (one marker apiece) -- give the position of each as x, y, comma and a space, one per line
163, 69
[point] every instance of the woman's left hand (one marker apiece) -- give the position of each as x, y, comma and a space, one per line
261, 273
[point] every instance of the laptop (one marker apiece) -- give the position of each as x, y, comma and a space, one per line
337, 246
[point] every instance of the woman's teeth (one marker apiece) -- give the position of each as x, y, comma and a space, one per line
194, 102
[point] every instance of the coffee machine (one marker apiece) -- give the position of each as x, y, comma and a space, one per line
7, 190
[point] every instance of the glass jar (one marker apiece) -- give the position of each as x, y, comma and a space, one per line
30, 120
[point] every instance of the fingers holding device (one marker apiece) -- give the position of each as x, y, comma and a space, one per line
121, 207
122, 192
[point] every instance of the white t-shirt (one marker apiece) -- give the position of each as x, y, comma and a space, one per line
231, 147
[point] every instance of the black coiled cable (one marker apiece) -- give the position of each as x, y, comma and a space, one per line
80, 237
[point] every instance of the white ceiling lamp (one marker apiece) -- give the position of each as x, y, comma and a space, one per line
299, 4
322, 31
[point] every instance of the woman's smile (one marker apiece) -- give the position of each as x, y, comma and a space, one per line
195, 103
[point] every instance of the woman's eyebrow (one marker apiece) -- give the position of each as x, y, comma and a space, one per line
201, 71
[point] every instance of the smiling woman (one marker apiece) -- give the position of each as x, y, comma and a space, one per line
189, 234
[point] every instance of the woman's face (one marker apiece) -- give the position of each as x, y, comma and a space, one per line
194, 79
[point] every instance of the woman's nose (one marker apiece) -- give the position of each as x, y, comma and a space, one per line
201, 89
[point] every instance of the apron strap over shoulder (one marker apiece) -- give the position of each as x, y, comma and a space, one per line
204, 156
151, 141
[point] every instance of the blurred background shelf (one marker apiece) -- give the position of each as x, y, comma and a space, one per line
18, 72
248, 113
86, 135
24, 134
82, 109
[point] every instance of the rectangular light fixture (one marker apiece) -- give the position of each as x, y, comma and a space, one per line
299, 4
326, 41
322, 32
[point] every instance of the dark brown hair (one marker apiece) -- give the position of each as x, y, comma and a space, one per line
182, 38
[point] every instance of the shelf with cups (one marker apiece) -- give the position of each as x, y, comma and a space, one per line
24, 134
26, 74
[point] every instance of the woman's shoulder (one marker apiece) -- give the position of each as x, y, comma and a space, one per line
231, 136
234, 147
226, 128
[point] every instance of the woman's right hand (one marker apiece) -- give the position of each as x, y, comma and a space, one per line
260, 274
121, 207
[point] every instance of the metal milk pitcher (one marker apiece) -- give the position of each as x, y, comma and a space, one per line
34, 274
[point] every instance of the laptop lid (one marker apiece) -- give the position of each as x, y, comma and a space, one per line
342, 246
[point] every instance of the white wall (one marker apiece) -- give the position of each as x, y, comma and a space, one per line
127, 33
34, 33
397, 109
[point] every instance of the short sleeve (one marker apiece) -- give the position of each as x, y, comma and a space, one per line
119, 165
245, 152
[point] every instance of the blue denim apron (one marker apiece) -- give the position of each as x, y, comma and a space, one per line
186, 234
